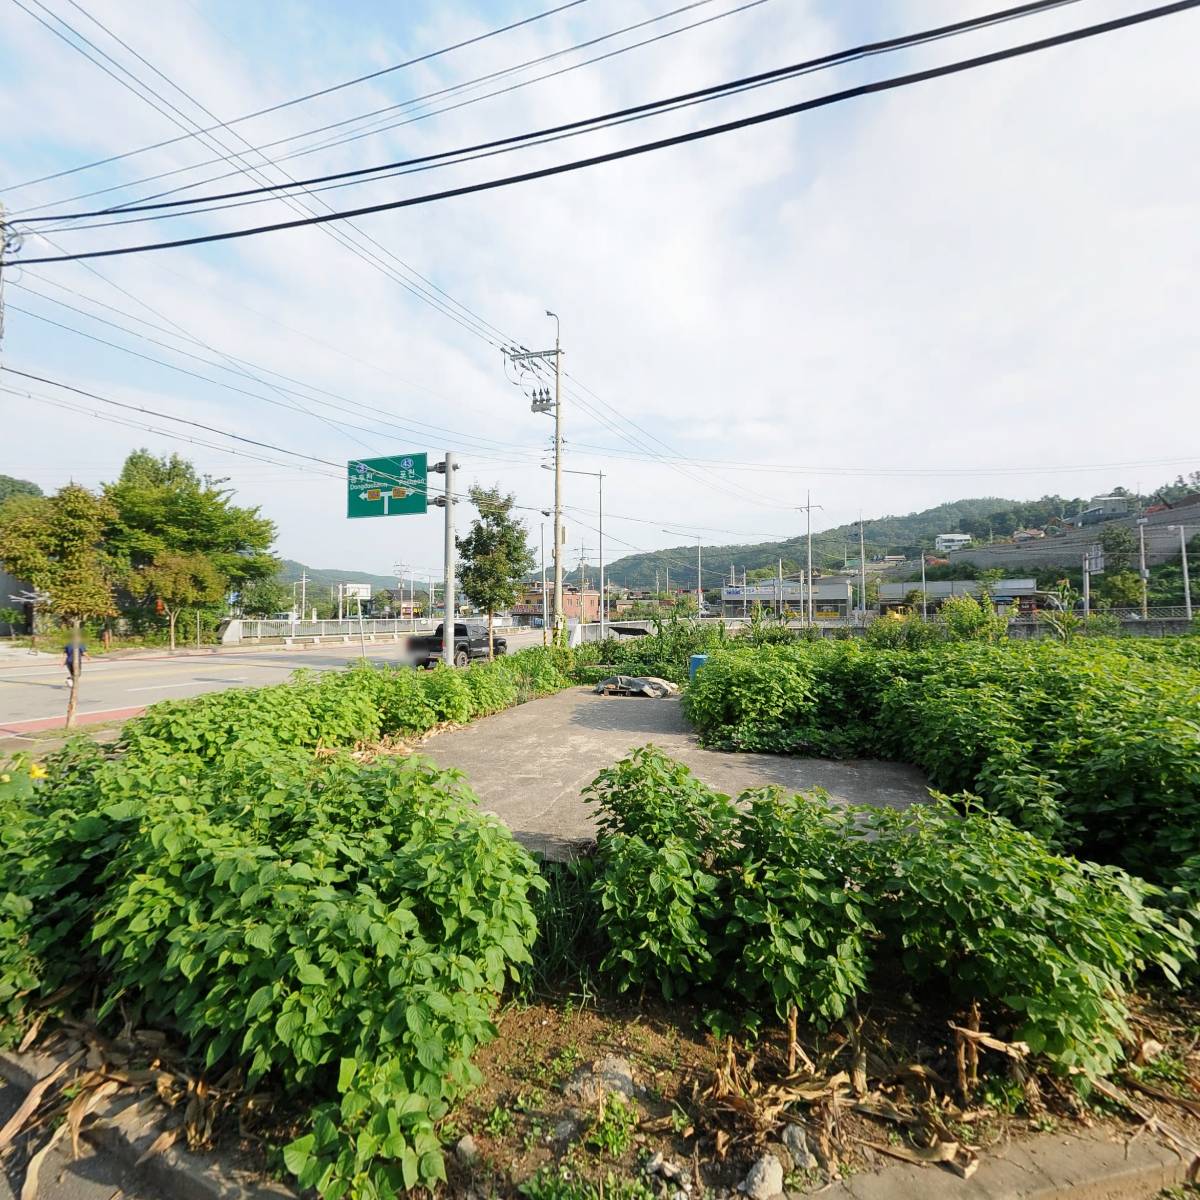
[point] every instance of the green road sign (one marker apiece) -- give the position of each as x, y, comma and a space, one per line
387, 487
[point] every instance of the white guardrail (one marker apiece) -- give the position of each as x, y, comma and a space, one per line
252, 629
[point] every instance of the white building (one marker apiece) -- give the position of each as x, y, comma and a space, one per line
951, 541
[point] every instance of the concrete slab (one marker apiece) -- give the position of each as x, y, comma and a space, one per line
529, 764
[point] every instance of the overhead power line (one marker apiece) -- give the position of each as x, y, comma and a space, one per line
602, 120
458, 88
262, 112
680, 139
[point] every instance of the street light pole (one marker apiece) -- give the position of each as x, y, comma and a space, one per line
1187, 583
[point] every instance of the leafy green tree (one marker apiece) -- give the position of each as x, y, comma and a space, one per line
17, 487
494, 557
161, 506
179, 581
1123, 589
264, 597
56, 543
1119, 547
12, 617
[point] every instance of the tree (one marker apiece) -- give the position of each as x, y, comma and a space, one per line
161, 506
265, 597
17, 487
179, 581
56, 543
494, 558
1123, 589
1119, 546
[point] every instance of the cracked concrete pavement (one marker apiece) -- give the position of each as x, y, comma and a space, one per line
529, 764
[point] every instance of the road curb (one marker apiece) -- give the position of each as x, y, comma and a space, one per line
1049, 1166
125, 1130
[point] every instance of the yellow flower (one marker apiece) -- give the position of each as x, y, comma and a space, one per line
37, 771
5, 779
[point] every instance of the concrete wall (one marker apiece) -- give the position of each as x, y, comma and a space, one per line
1162, 544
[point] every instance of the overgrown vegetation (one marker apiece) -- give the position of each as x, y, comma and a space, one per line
341, 930
780, 902
1094, 745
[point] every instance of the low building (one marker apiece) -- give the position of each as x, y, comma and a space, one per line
577, 606
1028, 535
1100, 509
832, 599
909, 595
951, 541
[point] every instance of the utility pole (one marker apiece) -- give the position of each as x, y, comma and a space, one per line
699, 583
303, 594
779, 592
545, 598
1087, 584
447, 502
807, 508
862, 567
542, 403
1187, 583
1142, 572
924, 594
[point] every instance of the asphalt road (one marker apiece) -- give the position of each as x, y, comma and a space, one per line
33, 690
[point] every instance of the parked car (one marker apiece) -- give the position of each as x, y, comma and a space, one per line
470, 641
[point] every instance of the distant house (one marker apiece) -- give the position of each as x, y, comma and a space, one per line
951, 541
1100, 509
1028, 535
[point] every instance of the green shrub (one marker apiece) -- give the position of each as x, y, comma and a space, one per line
448, 694
752, 700
341, 930
491, 688
1092, 744
981, 910
660, 832
791, 901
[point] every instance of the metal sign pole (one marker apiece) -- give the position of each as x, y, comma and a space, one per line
449, 606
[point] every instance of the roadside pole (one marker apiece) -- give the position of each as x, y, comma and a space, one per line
545, 599
1183, 562
924, 593
449, 607
862, 569
1145, 575
808, 513
1087, 586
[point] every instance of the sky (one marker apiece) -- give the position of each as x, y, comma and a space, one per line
979, 285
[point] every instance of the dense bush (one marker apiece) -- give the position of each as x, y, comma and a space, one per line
341, 708
343, 929
789, 901
665, 653
1094, 744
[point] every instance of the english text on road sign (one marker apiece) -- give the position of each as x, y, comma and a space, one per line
387, 487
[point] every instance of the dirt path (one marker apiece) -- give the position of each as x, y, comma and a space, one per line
529, 764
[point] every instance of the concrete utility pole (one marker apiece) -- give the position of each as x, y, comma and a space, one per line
862, 567
303, 594
545, 598
1187, 583
924, 593
542, 403
807, 508
1087, 584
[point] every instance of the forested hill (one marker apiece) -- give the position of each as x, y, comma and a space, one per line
884, 535
325, 577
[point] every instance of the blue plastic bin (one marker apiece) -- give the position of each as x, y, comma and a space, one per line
695, 663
